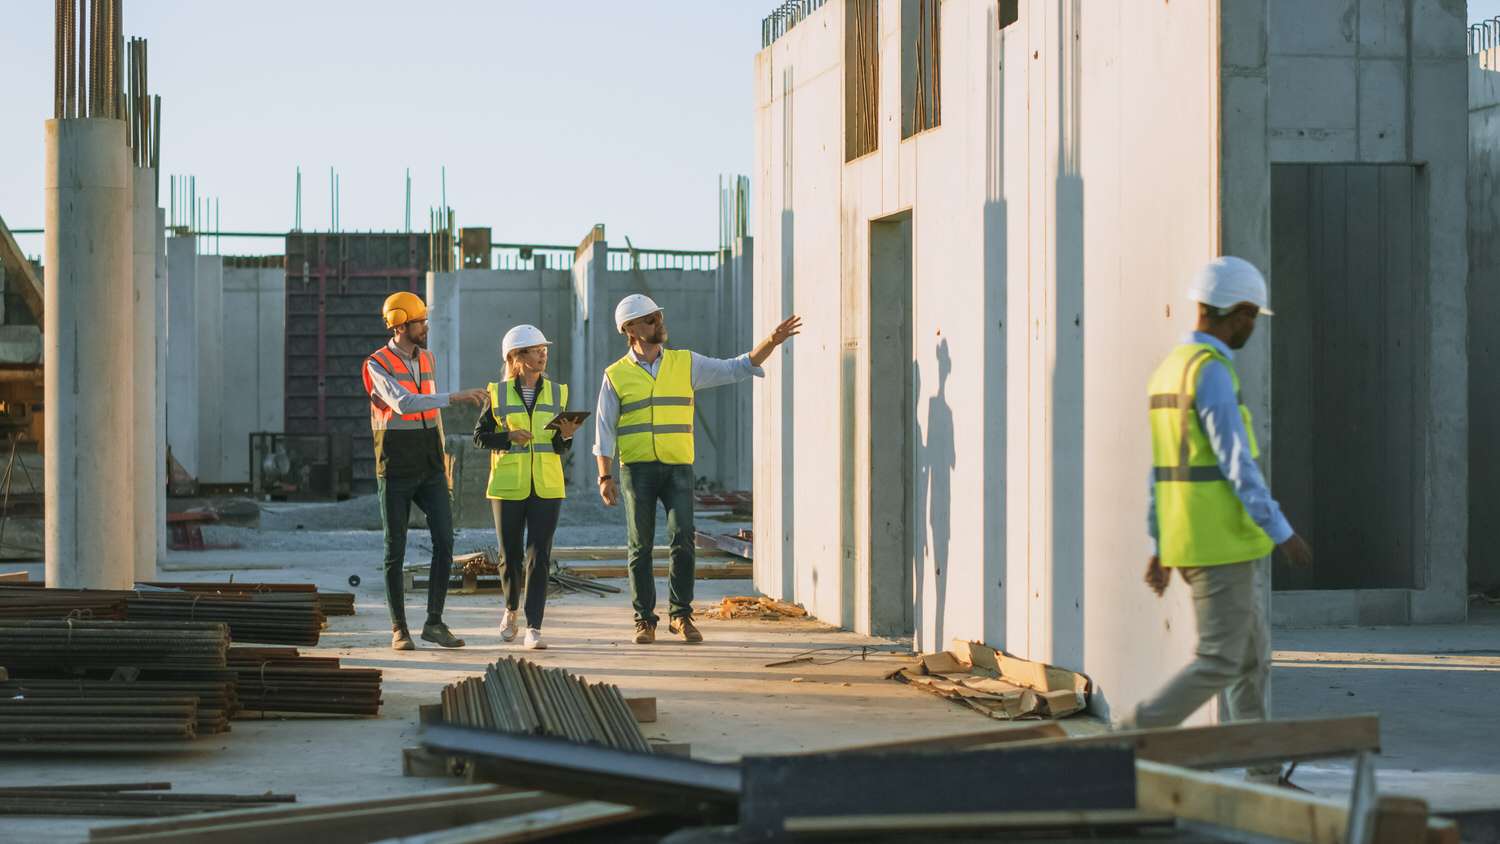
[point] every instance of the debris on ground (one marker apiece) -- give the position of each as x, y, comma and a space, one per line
757, 606
997, 684
126, 800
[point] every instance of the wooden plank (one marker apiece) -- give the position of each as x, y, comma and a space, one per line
20, 275
964, 741
643, 708
1243, 743
1400, 819
1234, 804
536, 826
356, 823
211, 819
1085, 819
15, 577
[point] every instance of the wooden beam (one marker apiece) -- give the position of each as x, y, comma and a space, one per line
1045, 730
1243, 743
19, 273
1086, 819
537, 826
14, 577
643, 708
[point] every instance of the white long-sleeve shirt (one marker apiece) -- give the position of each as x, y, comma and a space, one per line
397, 397
707, 372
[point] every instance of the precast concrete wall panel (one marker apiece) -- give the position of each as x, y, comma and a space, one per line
181, 384
254, 379
1484, 306
211, 355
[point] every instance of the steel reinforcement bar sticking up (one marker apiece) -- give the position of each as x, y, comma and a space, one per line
87, 60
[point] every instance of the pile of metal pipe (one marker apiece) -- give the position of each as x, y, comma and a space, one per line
331, 603
72, 644
282, 680
516, 696
281, 618
98, 719
126, 800
31, 600
217, 701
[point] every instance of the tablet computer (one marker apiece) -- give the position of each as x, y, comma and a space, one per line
570, 415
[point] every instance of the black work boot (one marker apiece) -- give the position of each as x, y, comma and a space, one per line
439, 634
401, 639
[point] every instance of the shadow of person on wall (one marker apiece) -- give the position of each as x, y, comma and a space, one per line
938, 458
919, 508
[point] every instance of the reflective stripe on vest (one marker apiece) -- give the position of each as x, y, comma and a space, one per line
521, 469
656, 414
1200, 521
382, 416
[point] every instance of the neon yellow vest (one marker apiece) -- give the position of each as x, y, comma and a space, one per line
1200, 521
513, 473
656, 414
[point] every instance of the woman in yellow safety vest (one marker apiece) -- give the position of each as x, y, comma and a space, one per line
526, 487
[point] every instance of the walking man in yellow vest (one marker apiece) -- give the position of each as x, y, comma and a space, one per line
401, 381
646, 409
1211, 516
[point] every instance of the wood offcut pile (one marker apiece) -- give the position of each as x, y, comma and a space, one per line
761, 607
517, 696
1016, 783
126, 800
997, 684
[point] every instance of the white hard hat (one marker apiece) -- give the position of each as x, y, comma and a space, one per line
634, 306
1228, 281
522, 337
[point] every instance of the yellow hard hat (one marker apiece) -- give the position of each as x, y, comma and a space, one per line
401, 308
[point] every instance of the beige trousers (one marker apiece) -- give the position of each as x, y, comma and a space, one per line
1233, 654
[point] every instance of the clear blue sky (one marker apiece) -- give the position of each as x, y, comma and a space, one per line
550, 116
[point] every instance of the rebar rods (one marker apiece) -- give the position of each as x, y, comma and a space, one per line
217, 701
87, 60
132, 800
79, 644
516, 696
282, 680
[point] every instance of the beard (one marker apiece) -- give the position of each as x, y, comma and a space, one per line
658, 336
418, 340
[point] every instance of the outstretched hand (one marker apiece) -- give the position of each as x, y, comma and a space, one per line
789, 328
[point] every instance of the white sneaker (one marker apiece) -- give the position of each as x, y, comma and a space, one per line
508, 626
534, 639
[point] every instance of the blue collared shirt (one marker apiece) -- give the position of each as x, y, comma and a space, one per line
706, 372
1218, 410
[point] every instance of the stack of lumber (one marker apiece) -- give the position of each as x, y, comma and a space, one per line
126, 800
216, 701
273, 618
516, 696
331, 603
283, 680
998, 684
70, 644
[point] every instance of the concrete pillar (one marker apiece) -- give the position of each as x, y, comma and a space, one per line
593, 331
210, 368
444, 321
145, 451
159, 294
742, 331
182, 352
89, 517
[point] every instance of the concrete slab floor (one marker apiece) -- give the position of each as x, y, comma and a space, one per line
1433, 687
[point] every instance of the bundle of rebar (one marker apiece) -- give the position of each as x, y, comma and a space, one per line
87, 59
516, 696
282, 680
71, 644
331, 603
280, 618
126, 800
32, 600
98, 719
217, 701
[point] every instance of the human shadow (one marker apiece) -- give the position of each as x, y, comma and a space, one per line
938, 458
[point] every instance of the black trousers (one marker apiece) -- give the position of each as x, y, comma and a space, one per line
397, 495
525, 530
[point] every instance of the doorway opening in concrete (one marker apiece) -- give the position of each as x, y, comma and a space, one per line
892, 420
1348, 370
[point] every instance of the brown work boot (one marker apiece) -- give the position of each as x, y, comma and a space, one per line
401, 640
688, 630
439, 634
645, 632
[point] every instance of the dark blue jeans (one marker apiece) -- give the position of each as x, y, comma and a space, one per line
642, 485
430, 493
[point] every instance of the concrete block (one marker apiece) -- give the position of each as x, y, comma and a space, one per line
1382, 28
1312, 92
1314, 608
1438, 28
20, 343
1323, 28
1440, 103
1242, 34
1382, 607
1382, 110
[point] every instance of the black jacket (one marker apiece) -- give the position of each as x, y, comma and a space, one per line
487, 433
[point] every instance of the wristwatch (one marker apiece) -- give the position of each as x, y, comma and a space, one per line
603, 478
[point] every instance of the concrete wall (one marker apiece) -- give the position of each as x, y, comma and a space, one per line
181, 386
1377, 81
1053, 232
252, 384
1484, 305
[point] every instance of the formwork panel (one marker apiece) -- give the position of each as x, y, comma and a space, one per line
335, 285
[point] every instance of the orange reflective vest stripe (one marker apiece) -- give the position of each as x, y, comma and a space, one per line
384, 417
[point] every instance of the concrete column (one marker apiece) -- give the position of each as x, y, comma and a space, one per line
210, 368
593, 331
159, 294
89, 531
145, 450
444, 321
182, 352
742, 329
